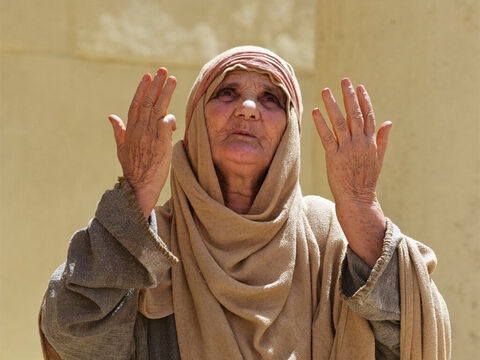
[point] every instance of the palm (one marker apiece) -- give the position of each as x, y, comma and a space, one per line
144, 146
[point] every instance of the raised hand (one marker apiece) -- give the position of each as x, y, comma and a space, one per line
144, 146
354, 155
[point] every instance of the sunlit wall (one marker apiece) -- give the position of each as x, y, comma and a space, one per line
65, 65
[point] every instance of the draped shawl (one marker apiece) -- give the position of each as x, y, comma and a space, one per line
265, 285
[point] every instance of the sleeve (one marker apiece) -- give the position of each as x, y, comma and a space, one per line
90, 306
374, 293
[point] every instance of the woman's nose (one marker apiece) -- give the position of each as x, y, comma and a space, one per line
248, 109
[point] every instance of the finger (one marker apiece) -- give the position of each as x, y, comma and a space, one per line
367, 111
151, 96
326, 136
165, 126
339, 125
382, 140
118, 129
137, 99
354, 114
161, 106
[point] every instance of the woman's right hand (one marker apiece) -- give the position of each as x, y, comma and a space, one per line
144, 146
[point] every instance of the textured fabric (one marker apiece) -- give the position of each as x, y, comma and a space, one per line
256, 277
162, 338
381, 306
424, 313
56, 321
247, 274
90, 307
364, 279
73, 325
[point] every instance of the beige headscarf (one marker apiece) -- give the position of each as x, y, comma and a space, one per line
262, 285
243, 281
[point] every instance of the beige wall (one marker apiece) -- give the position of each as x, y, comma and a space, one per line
66, 64
421, 62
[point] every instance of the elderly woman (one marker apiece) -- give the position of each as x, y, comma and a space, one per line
238, 264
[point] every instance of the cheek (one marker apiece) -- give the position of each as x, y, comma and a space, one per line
277, 127
215, 118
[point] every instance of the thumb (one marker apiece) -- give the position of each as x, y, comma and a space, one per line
165, 126
170, 119
382, 139
118, 129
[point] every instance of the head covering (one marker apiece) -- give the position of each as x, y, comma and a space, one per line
260, 59
262, 285
247, 274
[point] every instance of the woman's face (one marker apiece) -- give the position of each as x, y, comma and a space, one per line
245, 119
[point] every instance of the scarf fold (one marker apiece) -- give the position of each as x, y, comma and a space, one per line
262, 285
249, 275
425, 332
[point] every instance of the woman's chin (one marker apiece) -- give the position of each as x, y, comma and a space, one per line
244, 154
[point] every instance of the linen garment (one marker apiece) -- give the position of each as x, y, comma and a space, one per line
264, 285
101, 256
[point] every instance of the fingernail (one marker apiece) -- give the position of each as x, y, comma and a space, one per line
162, 71
327, 93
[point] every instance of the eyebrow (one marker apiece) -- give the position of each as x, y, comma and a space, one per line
269, 88
274, 89
226, 85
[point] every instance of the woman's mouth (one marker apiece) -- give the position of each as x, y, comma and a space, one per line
243, 133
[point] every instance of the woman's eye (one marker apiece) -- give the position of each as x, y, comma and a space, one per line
270, 98
225, 93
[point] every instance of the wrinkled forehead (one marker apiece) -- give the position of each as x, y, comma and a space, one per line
242, 78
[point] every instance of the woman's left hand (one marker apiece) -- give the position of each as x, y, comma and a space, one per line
354, 156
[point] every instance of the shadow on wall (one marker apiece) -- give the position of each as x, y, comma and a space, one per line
163, 30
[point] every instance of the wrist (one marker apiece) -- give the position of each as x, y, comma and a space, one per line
146, 203
364, 225
145, 198
358, 200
